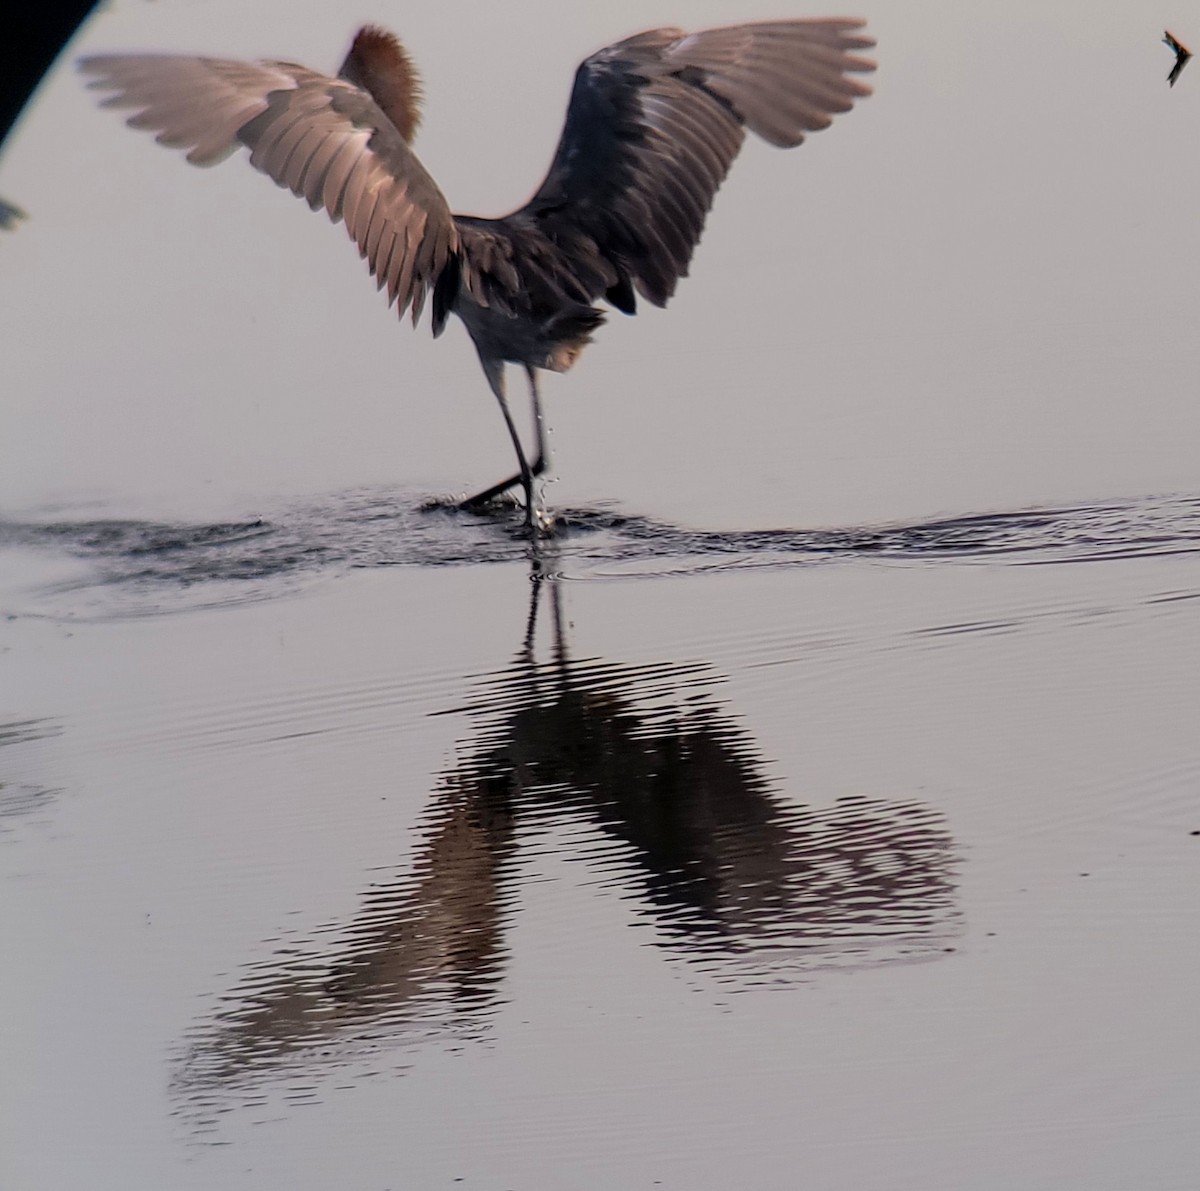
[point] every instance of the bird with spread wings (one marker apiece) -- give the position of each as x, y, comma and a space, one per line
653, 125
1182, 54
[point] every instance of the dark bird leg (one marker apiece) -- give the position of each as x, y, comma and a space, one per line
539, 423
494, 370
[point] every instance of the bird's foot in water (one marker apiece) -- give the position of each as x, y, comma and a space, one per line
540, 522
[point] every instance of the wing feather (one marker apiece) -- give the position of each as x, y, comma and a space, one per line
380, 220
401, 265
358, 201
325, 139
311, 183
653, 126
655, 122
333, 192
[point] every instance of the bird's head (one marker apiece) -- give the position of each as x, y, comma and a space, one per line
380, 65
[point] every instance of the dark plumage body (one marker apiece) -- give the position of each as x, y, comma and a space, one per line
653, 125
1182, 54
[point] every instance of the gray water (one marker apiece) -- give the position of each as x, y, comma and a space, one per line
817, 806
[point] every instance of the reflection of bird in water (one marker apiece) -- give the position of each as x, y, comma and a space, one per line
642, 777
1182, 54
653, 125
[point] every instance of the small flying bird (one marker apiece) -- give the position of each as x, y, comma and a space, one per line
652, 127
1182, 54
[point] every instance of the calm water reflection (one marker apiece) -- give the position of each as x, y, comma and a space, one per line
645, 777
411, 879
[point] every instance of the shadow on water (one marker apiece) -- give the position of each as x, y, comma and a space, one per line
138, 567
641, 777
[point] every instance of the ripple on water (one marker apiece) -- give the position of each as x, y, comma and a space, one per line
138, 567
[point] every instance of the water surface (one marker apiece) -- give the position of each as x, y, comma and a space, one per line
817, 806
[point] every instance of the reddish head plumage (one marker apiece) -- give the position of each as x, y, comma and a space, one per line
380, 65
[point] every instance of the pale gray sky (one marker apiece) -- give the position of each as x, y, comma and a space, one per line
976, 291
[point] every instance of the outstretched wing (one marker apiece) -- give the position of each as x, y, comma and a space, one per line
323, 138
655, 122
1182, 54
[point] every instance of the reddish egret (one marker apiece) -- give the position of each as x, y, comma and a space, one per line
1182, 54
653, 125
